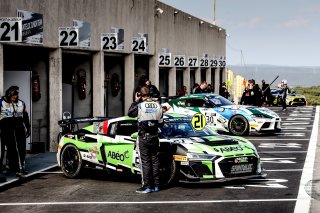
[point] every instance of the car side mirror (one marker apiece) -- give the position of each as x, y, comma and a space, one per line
134, 135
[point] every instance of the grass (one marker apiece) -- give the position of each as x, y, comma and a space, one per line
312, 94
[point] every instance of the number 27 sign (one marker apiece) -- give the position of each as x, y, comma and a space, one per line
11, 29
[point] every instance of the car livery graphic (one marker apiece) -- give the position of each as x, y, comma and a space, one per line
225, 116
186, 155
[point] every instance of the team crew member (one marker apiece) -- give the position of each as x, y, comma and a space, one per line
14, 121
284, 91
149, 114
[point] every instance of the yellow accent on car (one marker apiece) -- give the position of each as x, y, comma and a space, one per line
180, 158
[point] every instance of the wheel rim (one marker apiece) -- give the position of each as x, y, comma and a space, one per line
70, 160
238, 125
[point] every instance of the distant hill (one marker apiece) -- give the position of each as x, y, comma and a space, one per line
295, 76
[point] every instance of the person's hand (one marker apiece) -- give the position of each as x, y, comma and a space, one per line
28, 132
137, 96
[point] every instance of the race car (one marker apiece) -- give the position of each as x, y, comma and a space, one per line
225, 116
292, 99
186, 155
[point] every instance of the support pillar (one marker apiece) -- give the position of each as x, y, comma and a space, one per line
172, 81
197, 76
186, 79
154, 71
55, 96
98, 84
217, 80
1, 70
128, 81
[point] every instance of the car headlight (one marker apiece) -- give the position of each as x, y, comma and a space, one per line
195, 156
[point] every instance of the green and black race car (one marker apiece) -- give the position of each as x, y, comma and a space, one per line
186, 155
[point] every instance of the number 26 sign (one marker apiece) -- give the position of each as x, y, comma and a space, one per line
11, 29
68, 36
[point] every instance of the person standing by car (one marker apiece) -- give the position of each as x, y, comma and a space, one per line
284, 92
266, 93
202, 88
154, 92
15, 128
149, 114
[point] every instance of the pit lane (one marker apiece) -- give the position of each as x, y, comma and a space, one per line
283, 157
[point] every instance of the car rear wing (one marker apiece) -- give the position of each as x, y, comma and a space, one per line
71, 125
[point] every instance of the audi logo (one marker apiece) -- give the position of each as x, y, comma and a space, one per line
150, 105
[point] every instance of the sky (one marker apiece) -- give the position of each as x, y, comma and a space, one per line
263, 32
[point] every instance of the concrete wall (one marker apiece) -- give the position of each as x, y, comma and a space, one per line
181, 33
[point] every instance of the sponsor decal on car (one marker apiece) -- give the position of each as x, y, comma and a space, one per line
231, 149
241, 160
118, 156
180, 158
242, 168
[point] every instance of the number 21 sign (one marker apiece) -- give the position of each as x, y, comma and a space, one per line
11, 29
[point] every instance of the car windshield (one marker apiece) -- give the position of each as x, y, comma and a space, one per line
182, 130
220, 101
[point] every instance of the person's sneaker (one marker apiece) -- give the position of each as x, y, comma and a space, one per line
156, 188
143, 190
25, 172
284, 110
20, 175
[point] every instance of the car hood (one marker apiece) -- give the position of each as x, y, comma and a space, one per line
215, 145
249, 110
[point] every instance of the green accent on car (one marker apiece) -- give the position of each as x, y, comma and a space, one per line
209, 165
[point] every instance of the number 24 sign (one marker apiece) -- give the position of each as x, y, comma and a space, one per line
11, 29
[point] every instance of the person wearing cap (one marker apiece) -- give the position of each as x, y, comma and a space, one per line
149, 114
15, 128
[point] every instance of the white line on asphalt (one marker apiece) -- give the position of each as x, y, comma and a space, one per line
304, 200
277, 139
28, 175
283, 170
275, 152
148, 202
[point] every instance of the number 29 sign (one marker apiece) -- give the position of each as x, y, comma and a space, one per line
11, 29
68, 36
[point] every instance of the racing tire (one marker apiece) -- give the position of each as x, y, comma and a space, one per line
168, 172
71, 161
239, 125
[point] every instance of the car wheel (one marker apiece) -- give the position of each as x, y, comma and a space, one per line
168, 172
239, 125
71, 161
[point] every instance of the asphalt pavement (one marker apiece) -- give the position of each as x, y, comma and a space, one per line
41, 162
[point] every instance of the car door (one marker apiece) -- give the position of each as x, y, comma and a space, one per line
119, 148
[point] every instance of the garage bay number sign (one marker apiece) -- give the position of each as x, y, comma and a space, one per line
10, 29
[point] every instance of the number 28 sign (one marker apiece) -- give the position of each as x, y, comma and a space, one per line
11, 29
68, 36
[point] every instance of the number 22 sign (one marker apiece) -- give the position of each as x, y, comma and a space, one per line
11, 29
68, 36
